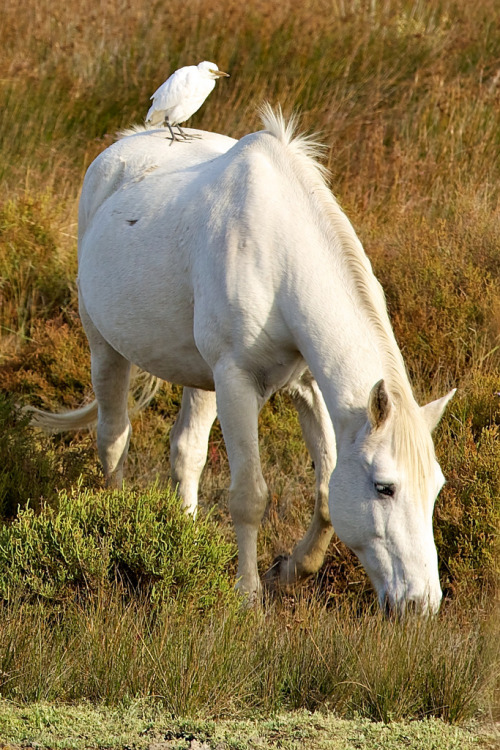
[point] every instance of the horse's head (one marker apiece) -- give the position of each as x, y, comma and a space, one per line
382, 495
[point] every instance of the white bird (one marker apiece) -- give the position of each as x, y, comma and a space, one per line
182, 95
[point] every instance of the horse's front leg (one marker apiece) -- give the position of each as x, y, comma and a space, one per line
317, 429
189, 443
238, 406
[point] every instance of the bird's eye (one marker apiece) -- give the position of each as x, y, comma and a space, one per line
388, 490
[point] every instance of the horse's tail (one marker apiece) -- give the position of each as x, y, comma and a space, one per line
143, 387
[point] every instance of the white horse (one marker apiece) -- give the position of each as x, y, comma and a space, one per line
228, 266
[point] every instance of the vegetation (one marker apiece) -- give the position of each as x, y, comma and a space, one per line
146, 726
223, 661
405, 94
137, 540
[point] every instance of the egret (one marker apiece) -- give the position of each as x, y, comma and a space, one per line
182, 95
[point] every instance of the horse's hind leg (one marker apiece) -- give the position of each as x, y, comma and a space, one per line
317, 429
189, 443
110, 381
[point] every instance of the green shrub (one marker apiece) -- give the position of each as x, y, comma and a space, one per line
32, 470
26, 469
143, 541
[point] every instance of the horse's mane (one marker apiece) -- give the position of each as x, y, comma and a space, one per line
412, 440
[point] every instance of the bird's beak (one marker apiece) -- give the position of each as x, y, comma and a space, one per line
220, 73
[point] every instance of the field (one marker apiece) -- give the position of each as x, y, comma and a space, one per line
115, 602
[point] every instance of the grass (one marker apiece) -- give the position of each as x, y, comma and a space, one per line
405, 94
228, 662
144, 725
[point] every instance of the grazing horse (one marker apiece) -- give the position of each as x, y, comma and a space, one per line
228, 267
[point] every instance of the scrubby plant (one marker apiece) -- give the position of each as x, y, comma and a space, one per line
32, 471
468, 511
441, 282
143, 541
26, 469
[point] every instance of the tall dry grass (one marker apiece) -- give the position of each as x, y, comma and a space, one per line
236, 663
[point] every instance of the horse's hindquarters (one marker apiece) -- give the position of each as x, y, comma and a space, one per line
140, 300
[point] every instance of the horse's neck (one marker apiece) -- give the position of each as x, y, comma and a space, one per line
336, 335
342, 354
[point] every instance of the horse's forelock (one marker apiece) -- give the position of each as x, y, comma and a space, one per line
414, 449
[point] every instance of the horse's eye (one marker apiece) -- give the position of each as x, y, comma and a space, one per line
385, 489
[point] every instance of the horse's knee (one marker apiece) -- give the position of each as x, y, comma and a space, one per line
112, 446
321, 507
248, 498
185, 457
186, 465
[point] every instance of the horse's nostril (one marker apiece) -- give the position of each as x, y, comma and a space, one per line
399, 609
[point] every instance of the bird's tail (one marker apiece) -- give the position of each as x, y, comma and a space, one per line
154, 118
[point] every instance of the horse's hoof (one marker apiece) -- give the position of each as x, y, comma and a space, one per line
281, 574
249, 599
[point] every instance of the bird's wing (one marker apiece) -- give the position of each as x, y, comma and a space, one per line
175, 88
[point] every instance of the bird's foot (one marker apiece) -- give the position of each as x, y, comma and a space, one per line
173, 138
187, 136
184, 139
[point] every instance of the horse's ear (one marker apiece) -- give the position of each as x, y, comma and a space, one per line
379, 406
433, 411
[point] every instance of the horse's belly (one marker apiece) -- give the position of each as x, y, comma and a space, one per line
146, 314
155, 346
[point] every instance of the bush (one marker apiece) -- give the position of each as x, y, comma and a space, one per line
26, 469
31, 470
144, 541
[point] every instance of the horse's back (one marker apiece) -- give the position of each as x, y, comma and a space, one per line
136, 155
174, 266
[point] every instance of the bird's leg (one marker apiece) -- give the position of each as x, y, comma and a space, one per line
185, 135
174, 136
167, 124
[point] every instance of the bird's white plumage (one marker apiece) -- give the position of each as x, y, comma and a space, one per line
183, 93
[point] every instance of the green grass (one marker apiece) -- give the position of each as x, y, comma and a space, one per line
142, 725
